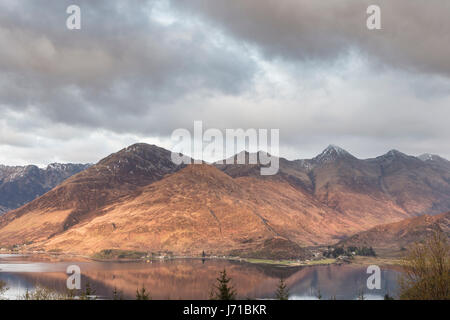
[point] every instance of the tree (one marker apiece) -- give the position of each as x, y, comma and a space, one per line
318, 294
282, 292
388, 297
223, 290
426, 269
71, 294
41, 293
141, 294
117, 295
3, 288
361, 295
89, 292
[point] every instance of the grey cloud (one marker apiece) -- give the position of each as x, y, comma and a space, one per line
79, 95
122, 62
414, 33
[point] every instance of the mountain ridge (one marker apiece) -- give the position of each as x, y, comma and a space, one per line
131, 196
22, 184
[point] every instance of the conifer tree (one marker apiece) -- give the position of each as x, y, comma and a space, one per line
141, 294
282, 292
223, 289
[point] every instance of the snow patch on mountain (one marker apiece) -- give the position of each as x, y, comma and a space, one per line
332, 153
429, 157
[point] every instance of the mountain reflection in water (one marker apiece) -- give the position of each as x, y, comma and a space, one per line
194, 279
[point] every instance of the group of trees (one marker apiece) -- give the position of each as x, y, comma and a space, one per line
223, 290
350, 251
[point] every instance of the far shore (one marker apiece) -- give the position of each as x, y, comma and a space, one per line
357, 260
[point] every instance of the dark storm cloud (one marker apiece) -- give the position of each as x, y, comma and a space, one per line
137, 70
122, 62
415, 34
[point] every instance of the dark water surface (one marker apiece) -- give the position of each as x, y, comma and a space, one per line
193, 279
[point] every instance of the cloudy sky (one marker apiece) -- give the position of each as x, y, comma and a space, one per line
137, 70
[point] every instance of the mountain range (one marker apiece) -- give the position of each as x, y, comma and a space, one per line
22, 184
138, 199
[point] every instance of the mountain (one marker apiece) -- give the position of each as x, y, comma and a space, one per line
332, 154
83, 196
20, 185
335, 178
417, 186
200, 208
385, 189
137, 199
401, 234
289, 171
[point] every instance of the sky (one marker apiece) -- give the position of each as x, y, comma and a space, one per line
137, 70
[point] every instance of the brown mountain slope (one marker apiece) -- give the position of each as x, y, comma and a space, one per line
419, 187
401, 234
83, 196
388, 188
340, 181
138, 199
200, 208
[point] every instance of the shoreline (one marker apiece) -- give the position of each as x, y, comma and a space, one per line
357, 260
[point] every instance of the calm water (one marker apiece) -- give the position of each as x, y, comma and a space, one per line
192, 279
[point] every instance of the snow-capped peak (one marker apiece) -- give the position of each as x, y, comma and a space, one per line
331, 153
336, 149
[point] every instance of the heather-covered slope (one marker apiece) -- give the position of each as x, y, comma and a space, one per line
200, 208
387, 188
401, 234
83, 196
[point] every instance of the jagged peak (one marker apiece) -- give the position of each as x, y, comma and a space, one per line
246, 155
394, 153
143, 146
334, 147
141, 150
331, 153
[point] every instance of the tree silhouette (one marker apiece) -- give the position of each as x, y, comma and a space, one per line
223, 289
282, 292
3, 287
117, 295
141, 294
89, 292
